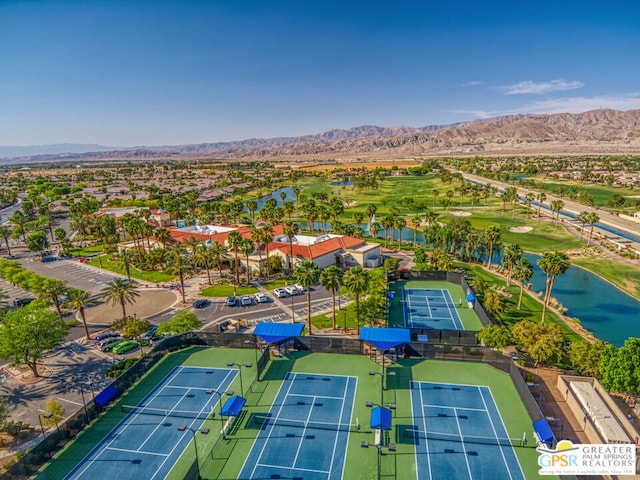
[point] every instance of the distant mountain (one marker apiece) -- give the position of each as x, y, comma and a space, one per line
13, 152
595, 132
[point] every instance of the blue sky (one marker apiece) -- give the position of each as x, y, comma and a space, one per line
127, 73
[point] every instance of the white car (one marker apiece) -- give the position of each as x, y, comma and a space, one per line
245, 300
300, 288
291, 290
279, 292
261, 298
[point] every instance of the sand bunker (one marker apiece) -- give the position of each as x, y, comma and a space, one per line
459, 213
520, 229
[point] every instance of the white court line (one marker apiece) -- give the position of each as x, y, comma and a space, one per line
229, 372
306, 422
464, 450
137, 451
455, 408
266, 441
315, 396
424, 425
289, 468
124, 426
335, 443
457, 322
505, 430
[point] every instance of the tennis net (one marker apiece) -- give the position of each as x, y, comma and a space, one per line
263, 421
454, 438
142, 410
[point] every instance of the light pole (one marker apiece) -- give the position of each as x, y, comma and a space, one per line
220, 404
382, 382
84, 404
240, 365
182, 428
391, 448
45, 415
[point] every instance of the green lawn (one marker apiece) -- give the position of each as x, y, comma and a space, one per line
221, 291
223, 459
104, 262
86, 251
600, 193
624, 276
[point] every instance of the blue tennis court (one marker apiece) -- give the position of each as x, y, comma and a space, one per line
430, 308
304, 435
458, 433
146, 443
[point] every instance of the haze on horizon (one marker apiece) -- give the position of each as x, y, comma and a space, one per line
166, 73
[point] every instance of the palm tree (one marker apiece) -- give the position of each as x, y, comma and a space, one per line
192, 243
125, 258
399, 223
371, 211
417, 220
265, 235
356, 283
247, 247
179, 265
552, 264
583, 218
290, 229
218, 254
492, 235
375, 229
234, 239
5, 233
541, 197
163, 235
435, 194
203, 258
331, 279
307, 274
120, 291
511, 255
52, 289
529, 197
252, 206
592, 218
79, 300
556, 207
522, 271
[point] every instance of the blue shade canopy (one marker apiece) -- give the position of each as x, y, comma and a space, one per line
277, 332
381, 418
385, 338
543, 432
471, 297
233, 406
105, 396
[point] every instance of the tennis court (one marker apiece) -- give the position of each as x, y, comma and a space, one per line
459, 433
147, 443
304, 435
430, 308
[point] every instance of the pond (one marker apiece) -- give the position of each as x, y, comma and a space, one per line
603, 309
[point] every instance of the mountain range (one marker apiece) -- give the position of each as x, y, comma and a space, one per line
601, 131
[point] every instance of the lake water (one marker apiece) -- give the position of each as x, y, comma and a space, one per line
605, 310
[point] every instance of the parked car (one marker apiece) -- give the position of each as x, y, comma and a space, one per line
231, 302
245, 300
149, 334
107, 344
103, 336
261, 297
126, 346
301, 289
49, 258
201, 303
291, 290
279, 292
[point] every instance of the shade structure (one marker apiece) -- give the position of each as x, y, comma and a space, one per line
543, 432
471, 298
105, 396
381, 418
385, 338
278, 332
233, 406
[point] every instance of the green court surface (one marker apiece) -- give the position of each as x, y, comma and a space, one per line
470, 320
224, 459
